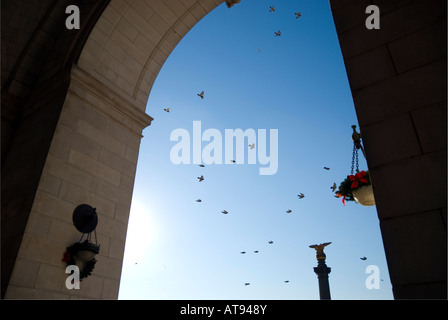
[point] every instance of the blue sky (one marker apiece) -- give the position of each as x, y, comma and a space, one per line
178, 248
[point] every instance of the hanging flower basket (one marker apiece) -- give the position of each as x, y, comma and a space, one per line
357, 188
364, 196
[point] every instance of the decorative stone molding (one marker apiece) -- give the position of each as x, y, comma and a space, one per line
230, 3
114, 105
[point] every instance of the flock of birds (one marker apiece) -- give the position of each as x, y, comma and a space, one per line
251, 147
279, 33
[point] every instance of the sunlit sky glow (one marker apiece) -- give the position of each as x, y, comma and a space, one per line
177, 248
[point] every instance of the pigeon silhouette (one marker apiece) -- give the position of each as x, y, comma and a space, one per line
271, 9
363, 258
288, 211
270, 242
233, 161
224, 211
256, 251
252, 146
198, 200
333, 187
201, 165
326, 168
201, 95
247, 283
201, 178
167, 109
243, 252
278, 33
301, 195
298, 15
286, 281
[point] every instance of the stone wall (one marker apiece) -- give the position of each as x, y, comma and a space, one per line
398, 79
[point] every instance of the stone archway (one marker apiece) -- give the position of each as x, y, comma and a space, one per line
99, 114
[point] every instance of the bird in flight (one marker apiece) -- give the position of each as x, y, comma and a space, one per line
271, 9
286, 281
270, 242
298, 15
247, 283
201, 95
256, 251
301, 195
243, 252
363, 258
224, 211
201, 165
333, 187
326, 168
198, 200
288, 211
278, 33
167, 109
201, 178
233, 161
252, 146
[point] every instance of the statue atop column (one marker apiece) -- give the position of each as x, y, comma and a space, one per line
320, 255
322, 271
230, 3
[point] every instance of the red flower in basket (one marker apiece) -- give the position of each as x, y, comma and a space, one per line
66, 257
357, 178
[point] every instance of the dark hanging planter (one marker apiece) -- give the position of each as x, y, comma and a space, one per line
356, 187
83, 253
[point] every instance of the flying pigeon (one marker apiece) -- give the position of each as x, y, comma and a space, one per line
243, 252
326, 168
201, 95
333, 187
278, 33
270, 242
198, 200
256, 251
201, 178
167, 109
288, 211
271, 9
247, 283
301, 196
224, 211
252, 146
363, 258
233, 161
298, 15
286, 281
201, 165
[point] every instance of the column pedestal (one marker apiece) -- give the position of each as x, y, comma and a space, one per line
322, 272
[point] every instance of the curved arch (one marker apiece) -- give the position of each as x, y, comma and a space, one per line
133, 39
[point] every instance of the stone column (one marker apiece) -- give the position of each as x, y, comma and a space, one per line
92, 160
322, 272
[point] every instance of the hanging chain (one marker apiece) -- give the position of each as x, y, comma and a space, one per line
354, 159
356, 137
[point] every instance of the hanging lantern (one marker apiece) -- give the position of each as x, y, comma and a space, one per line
82, 253
357, 186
